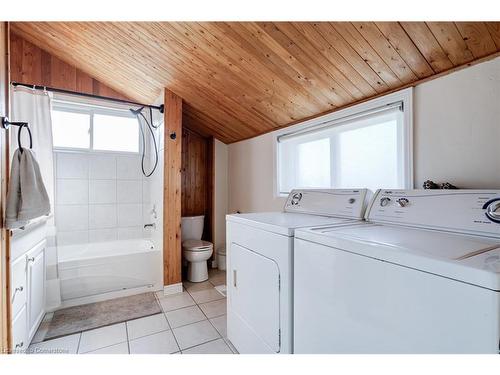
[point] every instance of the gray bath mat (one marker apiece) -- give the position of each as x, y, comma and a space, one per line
93, 315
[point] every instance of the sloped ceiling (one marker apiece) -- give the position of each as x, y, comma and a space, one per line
239, 80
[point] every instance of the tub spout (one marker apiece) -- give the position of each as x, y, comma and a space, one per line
152, 225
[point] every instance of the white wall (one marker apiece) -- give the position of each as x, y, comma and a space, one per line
456, 137
457, 128
221, 193
250, 178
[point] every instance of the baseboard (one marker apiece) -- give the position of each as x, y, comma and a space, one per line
172, 289
214, 263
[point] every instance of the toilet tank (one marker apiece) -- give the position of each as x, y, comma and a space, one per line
192, 227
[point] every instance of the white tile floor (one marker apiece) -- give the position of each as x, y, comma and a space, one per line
192, 322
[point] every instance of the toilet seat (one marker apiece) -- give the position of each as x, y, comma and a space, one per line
197, 245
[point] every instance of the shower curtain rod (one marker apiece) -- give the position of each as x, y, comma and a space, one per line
62, 91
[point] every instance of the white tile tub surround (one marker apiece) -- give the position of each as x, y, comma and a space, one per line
102, 196
102, 192
102, 216
102, 166
72, 191
72, 218
72, 165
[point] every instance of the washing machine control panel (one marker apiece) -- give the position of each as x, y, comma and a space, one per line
468, 211
328, 202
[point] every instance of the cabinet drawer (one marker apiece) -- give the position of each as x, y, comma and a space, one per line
24, 240
18, 283
20, 332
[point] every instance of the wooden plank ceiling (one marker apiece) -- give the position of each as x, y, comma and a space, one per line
239, 80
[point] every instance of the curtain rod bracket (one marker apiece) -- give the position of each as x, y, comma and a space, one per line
6, 123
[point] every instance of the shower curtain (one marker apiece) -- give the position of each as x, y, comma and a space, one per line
33, 106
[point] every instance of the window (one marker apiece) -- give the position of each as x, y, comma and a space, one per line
368, 146
94, 128
70, 129
106, 128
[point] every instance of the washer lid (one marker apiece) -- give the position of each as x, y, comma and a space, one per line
196, 245
428, 243
442, 253
284, 223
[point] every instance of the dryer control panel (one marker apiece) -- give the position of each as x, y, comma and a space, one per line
465, 211
349, 203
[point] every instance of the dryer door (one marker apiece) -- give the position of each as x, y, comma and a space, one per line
255, 297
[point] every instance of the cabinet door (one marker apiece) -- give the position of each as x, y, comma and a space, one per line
36, 287
19, 332
18, 284
255, 293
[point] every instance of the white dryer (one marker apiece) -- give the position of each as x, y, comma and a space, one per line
421, 276
260, 265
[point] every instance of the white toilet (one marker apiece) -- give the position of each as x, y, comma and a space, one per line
195, 251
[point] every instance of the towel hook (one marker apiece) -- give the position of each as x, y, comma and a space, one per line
5, 123
19, 137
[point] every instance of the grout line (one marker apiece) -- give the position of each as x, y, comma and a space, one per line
78, 346
140, 337
206, 342
128, 339
175, 338
104, 347
207, 319
184, 325
210, 322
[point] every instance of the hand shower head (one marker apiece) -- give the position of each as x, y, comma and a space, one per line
136, 111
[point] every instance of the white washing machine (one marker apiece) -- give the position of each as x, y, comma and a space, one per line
260, 265
421, 276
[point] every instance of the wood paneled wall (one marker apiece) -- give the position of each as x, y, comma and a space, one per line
172, 191
32, 65
197, 178
5, 306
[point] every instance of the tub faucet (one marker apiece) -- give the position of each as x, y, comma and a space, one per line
152, 225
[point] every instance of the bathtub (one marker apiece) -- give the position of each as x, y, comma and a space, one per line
102, 270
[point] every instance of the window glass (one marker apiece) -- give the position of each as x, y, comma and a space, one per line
116, 133
70, 129
313, 164
368, 157
366, 152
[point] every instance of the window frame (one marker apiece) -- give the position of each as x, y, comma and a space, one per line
404, 96
91, 110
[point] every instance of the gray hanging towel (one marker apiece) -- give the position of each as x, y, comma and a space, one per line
27, 197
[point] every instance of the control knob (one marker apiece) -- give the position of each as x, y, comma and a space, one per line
403, 202
492, 208
385, 201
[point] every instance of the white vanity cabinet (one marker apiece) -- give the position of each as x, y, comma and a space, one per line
27, 284
36, 287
